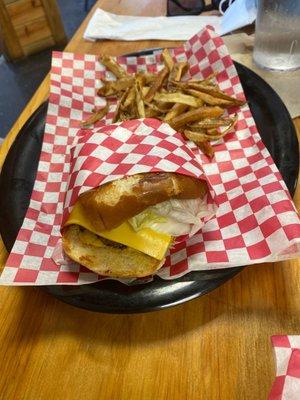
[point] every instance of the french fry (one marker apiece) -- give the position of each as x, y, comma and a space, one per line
151, 110
164, 107
177, 109
201, 142
167, 59
119, 106
145, 90
139, 101
211, 123
214, 134
178, 70
195, 135
204, 135
206, 147
149, 78
161, 108
208, 99
96, 116
215, 93
125, 116
141, 79
130, 97
156, 85
195, 115
178, 97
113, 66
210, 134
195, 129
150, 113
193, 107
111, 88
206, 81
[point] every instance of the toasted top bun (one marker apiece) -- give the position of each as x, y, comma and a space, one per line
109, 205
105, 257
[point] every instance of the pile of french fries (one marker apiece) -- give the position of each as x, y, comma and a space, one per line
196, 108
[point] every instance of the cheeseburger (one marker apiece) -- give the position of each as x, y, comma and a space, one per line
124, 228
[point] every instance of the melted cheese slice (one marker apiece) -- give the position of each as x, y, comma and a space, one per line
146, 240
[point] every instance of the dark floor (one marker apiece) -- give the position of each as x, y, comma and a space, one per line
18, 81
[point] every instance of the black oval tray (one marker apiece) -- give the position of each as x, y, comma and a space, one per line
18, 175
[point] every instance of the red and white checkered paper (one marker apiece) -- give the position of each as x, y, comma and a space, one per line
286, 385
137, 146
256, 220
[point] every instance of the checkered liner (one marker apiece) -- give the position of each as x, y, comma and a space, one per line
127, 148
286, 385
256, 220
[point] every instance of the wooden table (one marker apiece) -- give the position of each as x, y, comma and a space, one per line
215, 347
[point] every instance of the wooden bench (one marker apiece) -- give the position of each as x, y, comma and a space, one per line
29, 26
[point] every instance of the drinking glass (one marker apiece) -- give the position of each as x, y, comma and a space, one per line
277, 35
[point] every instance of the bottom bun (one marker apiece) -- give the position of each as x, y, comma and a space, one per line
105, 257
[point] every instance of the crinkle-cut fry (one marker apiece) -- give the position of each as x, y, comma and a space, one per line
178, 97
167, 59
113, 66
156, 85
178, 70
111, 88
98, 113
200, 141
215, 92
208, 99
195, 115
139, 101
211, 123
177, 109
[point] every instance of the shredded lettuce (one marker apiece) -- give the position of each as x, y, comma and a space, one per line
173, 217
145, 219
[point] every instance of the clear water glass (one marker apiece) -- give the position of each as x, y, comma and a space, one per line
277, 35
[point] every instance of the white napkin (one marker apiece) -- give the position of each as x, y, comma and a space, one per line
104, 25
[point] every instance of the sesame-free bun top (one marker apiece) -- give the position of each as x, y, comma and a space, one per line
113, 203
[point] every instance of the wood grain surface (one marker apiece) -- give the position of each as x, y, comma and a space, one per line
213, 348
9, 37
